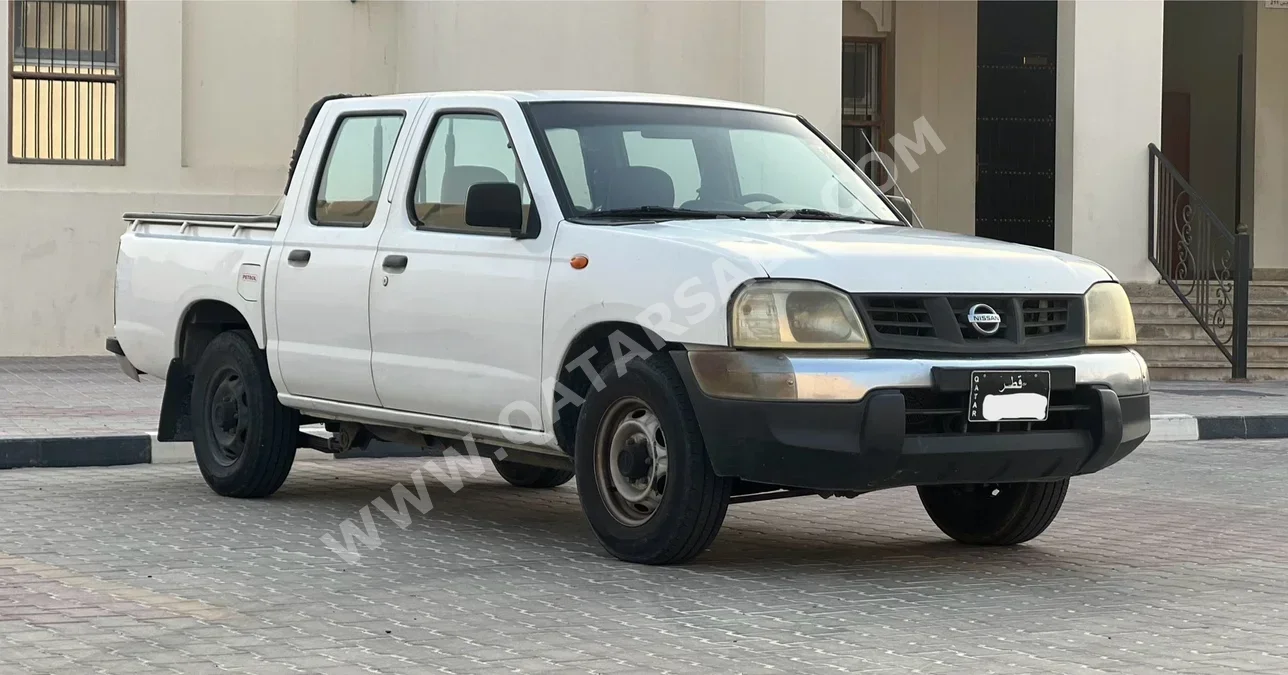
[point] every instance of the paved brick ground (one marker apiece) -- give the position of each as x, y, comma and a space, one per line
1174, 561
90, 396
74, 396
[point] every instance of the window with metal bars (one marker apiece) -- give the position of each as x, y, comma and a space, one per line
66, 81
862, 102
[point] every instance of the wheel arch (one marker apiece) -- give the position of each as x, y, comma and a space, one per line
594, 344
199, 324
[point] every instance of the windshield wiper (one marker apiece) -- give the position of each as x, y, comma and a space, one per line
654, 212
820, 214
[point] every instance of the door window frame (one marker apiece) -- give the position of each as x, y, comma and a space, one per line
531, 229
320, 174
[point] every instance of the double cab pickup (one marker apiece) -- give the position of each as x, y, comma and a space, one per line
680, 303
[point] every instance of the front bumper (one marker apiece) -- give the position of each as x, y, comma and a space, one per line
858, 424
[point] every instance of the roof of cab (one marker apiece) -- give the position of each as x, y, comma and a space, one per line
535, 96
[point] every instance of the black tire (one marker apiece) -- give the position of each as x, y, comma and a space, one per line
529, 476
244, 439
693, 498
1003, 514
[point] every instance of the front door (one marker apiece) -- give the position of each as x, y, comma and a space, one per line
1015, 121
322, 338
456, 311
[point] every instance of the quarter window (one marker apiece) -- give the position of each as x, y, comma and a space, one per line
464, 149
353, 173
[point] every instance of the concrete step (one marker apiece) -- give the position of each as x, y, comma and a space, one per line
1257, 290
1163, 308
1186, 328
1160, 351
1212, 371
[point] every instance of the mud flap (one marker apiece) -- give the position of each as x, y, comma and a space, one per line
176, 404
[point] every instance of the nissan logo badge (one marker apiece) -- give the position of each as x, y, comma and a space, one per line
983, 319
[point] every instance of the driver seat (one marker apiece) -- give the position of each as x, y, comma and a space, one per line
631, 187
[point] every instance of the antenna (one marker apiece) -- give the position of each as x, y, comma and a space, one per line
872, 152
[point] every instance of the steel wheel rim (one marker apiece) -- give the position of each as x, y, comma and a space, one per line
229, 416
631, 462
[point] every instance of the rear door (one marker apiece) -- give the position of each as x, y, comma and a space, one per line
320, 304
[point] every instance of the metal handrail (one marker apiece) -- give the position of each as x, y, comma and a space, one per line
1212, 281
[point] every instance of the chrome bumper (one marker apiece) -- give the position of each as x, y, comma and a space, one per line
816, 377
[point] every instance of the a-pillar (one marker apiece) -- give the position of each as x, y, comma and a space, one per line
1109, 79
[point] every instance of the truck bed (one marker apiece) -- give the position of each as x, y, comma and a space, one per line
168, 262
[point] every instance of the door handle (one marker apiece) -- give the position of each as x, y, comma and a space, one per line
395, 263
299, 256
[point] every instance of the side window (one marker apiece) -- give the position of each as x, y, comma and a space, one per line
464, 149
353, 171
675, 156
566, 146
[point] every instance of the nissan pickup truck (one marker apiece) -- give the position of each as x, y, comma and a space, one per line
680, 303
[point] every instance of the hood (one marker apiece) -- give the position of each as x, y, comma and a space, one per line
857, 257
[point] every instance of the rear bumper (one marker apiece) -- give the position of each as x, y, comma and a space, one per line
880, 440
114, 346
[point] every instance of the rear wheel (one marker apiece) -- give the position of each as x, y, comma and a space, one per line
244, 439
643, 476
528, 476
994, 514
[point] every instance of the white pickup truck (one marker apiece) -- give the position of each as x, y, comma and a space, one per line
683, 303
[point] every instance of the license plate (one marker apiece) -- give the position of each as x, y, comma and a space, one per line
1009, 396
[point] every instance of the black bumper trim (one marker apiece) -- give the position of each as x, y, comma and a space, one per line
862, 446
114, 347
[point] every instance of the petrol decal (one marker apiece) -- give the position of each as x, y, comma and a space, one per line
248, 282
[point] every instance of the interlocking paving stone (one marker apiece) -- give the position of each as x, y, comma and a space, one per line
1172, 561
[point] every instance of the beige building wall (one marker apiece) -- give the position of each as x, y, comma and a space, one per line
1268, 214
1109, 83
210, 122
930, 50
934, 65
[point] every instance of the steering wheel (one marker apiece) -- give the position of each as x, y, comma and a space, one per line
758, 197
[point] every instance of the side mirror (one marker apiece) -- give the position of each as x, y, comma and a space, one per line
904, 207
494, 205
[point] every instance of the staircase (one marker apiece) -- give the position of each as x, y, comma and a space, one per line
1177, 348
1207, 319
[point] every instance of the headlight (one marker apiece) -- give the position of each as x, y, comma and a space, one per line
795, 315
1109, 318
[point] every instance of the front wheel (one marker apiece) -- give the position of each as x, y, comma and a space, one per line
643, 476
994, 514
244, 439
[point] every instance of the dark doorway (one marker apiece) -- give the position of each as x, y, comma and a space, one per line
1015, 122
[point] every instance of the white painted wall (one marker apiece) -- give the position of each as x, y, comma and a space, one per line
1109, 77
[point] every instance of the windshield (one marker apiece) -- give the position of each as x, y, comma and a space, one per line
649, 161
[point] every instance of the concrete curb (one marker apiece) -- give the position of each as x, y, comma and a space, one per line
65, 451
17, 453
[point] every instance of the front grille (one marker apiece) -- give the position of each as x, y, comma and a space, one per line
900, 316
1044, 316
929, 412
941, 323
